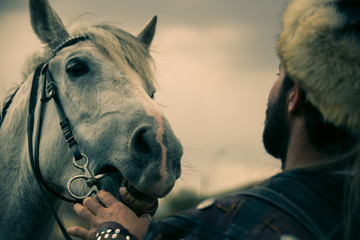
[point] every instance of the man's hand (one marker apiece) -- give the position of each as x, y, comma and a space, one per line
95, 214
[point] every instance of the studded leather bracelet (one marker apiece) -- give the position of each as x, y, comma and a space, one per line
113, 231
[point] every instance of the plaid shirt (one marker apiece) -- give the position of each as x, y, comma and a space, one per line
240, 216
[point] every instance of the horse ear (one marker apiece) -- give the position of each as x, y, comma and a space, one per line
147, 34
46, 23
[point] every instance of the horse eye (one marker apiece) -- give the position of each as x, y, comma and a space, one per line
76, 68
152, 96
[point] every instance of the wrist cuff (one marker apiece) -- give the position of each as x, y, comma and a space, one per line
113, 231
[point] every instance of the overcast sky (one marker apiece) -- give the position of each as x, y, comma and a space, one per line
215, 65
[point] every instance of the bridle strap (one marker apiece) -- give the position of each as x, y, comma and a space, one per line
64, 121
42, 70
34, 153
34, 157
30, 124
7, 105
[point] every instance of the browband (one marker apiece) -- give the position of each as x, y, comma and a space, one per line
68, 42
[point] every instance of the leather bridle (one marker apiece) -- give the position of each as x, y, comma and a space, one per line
49, 92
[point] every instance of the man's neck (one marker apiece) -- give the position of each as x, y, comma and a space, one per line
300, 153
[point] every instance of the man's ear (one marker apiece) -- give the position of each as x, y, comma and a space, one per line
295, 99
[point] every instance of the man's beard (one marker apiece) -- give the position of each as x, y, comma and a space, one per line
276, 132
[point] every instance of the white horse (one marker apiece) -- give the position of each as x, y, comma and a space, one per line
105, 84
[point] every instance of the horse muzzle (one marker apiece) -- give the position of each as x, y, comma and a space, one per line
113, 182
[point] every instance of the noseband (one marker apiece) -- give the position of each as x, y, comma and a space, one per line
49, 92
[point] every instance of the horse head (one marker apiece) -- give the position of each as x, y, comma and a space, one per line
106, 85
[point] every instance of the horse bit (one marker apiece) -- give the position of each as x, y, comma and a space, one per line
89, 177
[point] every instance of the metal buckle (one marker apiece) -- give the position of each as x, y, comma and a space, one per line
90, 179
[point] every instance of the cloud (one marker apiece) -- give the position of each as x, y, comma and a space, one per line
17, 41
13, 5
213, 101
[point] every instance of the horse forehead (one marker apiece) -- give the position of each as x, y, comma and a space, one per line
108, 68
109, 87
84, 48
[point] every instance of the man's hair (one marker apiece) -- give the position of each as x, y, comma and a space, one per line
341, 146
328, 139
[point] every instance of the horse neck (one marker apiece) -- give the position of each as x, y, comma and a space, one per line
24, 214
28, 216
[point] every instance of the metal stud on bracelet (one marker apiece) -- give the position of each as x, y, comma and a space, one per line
110, 233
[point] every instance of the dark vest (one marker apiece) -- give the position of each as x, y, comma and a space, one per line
292, 205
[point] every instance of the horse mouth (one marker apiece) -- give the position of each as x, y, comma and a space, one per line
117, 185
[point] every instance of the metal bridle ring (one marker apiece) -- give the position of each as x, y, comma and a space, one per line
86, 176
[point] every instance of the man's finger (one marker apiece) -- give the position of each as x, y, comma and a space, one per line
92, 205
84, 213
106, 198
79, 232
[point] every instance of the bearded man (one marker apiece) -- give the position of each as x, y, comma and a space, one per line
312, 125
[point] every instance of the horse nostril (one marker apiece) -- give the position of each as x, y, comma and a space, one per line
143, 144
140, 143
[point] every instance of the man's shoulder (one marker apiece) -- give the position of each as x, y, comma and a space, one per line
261, 213
283, 207
233, 217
